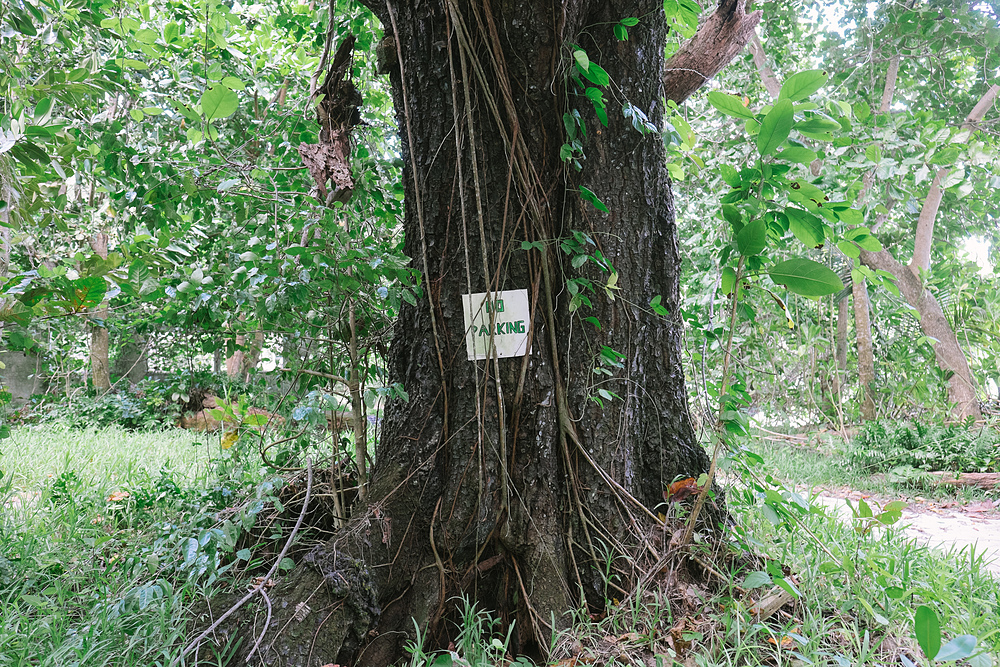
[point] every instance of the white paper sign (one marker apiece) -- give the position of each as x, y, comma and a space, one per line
502, 320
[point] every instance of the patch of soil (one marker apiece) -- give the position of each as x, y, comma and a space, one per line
940, 524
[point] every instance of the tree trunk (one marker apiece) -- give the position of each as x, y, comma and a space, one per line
510, 480
866, 357
100, 366
949, 354
840, 353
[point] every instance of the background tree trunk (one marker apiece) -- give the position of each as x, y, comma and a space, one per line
100, 366
949, 354
866, 356
505, 480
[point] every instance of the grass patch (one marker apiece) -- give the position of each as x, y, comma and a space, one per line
102, 456
107, 536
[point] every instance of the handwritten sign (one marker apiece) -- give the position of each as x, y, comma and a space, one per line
499, 319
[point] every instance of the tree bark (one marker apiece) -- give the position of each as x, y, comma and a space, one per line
866, 357
100, 366
502, 479
948, 352
840, 351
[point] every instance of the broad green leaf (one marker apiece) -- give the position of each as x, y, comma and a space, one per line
752, 239
131, 63
818, 128
88, 292
756, 579
805, 226
232, 83
171, 32
959, 648
219, 102
788, 586
729, 104
796, 154
190, 551
805, 277
580, 56
730, 175
728, 281
588, 195
849, 249
869, 243
775, 127
630, 21
43, 107
946, 155
928, 631
802, 85
597, 75
138, 272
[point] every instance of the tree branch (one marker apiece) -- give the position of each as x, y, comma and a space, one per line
717, 42
928, 213
767, 77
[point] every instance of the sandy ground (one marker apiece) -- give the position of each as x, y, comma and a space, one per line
943, 525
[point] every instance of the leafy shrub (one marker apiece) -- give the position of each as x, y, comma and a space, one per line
882, 446
150, 404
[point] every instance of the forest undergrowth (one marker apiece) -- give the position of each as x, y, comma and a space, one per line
102, 558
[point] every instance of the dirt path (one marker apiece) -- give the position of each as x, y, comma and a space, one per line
943, 525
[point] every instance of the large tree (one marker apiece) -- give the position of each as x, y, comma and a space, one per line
506, 479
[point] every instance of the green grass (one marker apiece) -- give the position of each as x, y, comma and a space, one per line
100, 457
858, 601
824, 464
106, 537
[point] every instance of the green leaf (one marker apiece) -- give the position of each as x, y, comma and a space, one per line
946, 155
190, 551
88, 292
928, 631
588, 195
753, 238
805, 277
621, 33
286, 564
728, 281
582, 61
730, 176
849, 249
756, 579
796, 154
775, 127
805, 226
729, 104
869, 243
818, 128
219, 102
138, 272
788, 586
630, 21
597, 75
959, 648
802, 85
43, 107
232, 83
